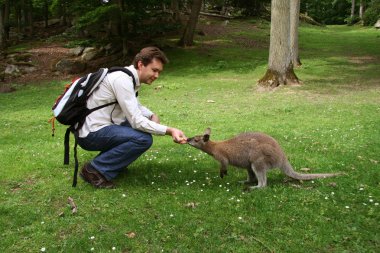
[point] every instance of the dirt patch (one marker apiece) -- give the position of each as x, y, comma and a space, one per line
362, 59
44, 58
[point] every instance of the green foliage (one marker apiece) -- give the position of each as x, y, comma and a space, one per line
352, 20
327, 11
372, 14
172, 199
98, 16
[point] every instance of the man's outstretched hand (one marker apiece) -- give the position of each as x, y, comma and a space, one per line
177, 135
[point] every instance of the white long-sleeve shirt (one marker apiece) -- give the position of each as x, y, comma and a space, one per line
118, 86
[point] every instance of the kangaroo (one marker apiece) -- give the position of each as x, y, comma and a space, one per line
255, 152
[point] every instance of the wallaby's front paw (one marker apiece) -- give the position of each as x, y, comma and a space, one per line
223, 173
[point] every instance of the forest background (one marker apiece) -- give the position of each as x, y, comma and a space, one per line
172, 199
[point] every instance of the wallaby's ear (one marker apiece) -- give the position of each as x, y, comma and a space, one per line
207, 131
206, 137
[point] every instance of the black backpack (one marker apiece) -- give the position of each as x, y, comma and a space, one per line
70, 108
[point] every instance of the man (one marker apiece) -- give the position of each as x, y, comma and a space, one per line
122, 132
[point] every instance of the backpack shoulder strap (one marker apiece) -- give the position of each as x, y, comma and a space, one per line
126, 71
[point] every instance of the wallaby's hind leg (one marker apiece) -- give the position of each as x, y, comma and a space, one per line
251, 177
261, 176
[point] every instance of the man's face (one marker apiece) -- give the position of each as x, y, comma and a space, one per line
149, 73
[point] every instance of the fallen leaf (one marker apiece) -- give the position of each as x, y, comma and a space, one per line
74, 208
210, 101
191, 205
131, 235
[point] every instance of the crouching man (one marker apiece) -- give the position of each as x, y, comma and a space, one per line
122, 132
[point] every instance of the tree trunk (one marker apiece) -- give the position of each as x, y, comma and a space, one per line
2, 31
122, 28
46, 13
352, 8
6, 21
29, 14
188, 35
294, 23
361, 9
280, 68
174, 6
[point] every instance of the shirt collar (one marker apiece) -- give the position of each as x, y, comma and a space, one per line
134, 72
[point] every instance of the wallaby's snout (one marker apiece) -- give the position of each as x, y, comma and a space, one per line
200, 141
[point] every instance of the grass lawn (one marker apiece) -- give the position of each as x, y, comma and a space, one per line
172, 199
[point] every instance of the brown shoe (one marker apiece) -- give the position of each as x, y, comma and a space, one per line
92, 176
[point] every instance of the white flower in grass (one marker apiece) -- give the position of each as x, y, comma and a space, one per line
43, 249
326, 197
171, 215
371, 200
240, 218
92, 249
92, 237
376, 204
361, 189
347, 207
113, 248
124, 195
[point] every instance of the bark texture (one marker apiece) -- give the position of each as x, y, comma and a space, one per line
188, 35
294, 23
280, 68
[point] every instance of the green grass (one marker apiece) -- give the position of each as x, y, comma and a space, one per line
172, 197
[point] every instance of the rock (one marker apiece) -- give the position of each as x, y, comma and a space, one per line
76, 51
377, 25
12, 70
28, 69
71, 66
90, 53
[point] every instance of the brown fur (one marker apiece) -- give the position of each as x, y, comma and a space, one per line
255, 152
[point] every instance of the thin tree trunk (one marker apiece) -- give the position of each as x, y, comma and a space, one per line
6, 22
280, 69
2, 31
361, 9
29, 15
174, 6
188, 35
294, 23
46, 13
352, 8
122, 28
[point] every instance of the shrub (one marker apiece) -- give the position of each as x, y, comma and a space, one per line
372, 14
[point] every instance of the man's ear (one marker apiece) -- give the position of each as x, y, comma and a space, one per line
206, 137
140, 64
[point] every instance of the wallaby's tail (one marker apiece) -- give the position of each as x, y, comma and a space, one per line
289, 171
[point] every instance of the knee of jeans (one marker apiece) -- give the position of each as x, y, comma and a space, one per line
147, 140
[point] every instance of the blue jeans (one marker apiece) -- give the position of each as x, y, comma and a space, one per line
119, 146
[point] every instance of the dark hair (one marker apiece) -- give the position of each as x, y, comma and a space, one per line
147, 54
